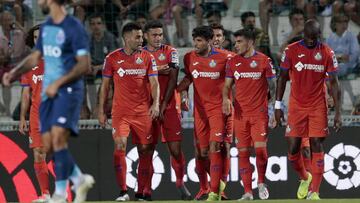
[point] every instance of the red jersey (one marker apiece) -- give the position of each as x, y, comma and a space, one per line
130, 75
33, 79
163, 56
250, 78
307, 70
208, 77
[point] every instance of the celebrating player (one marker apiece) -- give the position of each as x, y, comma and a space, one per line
250, 71
131, 69
307, 62
64, 44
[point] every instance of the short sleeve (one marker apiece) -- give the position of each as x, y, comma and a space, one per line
269, 71
108, 67
174, 57
331, 63
152, 67
25, 79
285, 59
228, 71
38, 45
80, 40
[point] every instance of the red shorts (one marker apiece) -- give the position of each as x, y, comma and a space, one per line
140, 126
170, 128
34, 130
249, 130
307, 123
211, 129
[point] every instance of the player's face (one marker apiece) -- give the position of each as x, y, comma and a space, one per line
36, 36
154, 37
135, 39
96, 25
218, 38
249, 22
141, 22
242, 45
201, 45
43, 4
213, 20
312, 34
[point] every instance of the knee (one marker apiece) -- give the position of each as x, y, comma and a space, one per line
39, 154
204, 153
144, 149
305, 151
316, 144
214, 146
176, 153
120, 144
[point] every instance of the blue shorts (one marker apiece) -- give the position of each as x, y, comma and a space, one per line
63, 110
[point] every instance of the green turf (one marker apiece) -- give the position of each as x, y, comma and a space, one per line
270, 201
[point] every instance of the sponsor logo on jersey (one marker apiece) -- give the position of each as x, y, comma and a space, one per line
37, 78
211, 75
317, 68
139, 72
251, 75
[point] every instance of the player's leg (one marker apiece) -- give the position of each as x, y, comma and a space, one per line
229, 126
306, 153
259, 134
243, 143
121, 130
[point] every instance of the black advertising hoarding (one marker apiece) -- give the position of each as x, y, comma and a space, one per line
93, 151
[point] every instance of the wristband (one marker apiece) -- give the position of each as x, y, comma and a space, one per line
278, 104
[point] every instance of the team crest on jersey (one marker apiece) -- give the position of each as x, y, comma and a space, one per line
253, 64
237, 75
162, 57
212, 63
60, 37
139, 60
318, 56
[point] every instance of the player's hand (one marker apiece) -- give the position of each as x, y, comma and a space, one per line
226, 107
184, 104
279, 117
23, 126
6, 79
163, 70
102, 119
52, 90
337, 122
162, 111
154, 111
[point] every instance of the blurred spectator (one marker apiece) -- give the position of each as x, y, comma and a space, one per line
318, 7
276, 7
344, 43
141, 19
214, 17
297, 22
203, 7
14, 8
356, 108
12, 50
27, 14
262, 42
176, 9
85, 8
350, 7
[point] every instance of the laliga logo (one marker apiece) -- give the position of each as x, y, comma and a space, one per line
342, 167
132, 158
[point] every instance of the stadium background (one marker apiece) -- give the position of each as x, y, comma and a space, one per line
93, 149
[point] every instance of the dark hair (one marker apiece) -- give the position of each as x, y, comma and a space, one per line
62, 2
247, 14
203, 31
152, 25
337, 18
247, 33
29, 40
130, 27
218, 26
140, 15
213, 13
296, 11
97, 15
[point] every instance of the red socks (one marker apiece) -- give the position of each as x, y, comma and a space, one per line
245, 170
317, 169
261, 163
216, 170
201, 168
226, 168
147, 189
145, 160
120, 168
42, 175
298, 165
307, 163
179, 168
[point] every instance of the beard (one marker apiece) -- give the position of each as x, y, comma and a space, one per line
45, 10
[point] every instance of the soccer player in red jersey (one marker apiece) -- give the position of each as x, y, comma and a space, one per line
31, 93
306, 62
169, 123
135, 105
205, 68
252, 73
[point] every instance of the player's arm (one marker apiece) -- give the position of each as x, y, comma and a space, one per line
336, 95
280, 89
155, 93
104, 89
226, 106
81, 67
24, 108
24, 66
184, 85
173, 74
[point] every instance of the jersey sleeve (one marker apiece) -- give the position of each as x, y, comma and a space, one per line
80, 40
269, 71
25, 79
331, 63
229, 73
151, 66
186, 66
108, 67
286, 59
173, 57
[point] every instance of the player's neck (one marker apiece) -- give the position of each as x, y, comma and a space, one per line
151, 48
129, 51
249, 53
207, 52
57, 13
